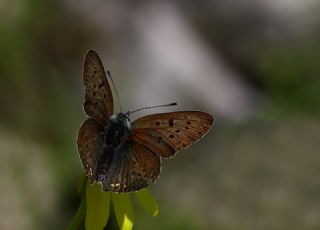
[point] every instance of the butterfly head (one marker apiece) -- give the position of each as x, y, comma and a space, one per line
122, 118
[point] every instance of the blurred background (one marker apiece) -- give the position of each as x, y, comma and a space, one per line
253, 64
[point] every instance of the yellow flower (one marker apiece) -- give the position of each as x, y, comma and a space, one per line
95, 206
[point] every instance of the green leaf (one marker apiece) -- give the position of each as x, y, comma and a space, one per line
82, 184
98, 207
123, 210
78, 217
148, 202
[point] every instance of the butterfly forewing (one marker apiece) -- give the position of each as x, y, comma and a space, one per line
133, 168
167, 133
98, 102
89, 143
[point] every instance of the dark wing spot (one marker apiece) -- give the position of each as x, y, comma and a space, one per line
92, 76
170, 122
178, 131
100, 85
184, 145
187, 127
104, 95
200, 133
95, 71
95, 104
94, 86
188, 123
157, 123
171, 136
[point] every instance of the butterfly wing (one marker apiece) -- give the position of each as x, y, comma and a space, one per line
98, 102
166, 133
138, 162
89, 144
132, 169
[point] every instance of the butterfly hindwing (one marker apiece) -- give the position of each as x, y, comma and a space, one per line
145, 166
98, 102
167, 133
89, 144
133, 168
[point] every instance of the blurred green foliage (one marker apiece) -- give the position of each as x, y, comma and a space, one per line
38, 44
289, 74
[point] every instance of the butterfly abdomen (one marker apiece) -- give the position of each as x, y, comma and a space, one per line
115, 134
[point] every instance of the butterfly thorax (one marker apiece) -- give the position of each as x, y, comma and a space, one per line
114, 136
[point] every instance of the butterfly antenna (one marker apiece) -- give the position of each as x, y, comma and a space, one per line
151, 107
115, 89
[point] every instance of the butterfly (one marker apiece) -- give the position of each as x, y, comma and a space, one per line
125, 156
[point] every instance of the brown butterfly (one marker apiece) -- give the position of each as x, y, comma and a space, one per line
126, 156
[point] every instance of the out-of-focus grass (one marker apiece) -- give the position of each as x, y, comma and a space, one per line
262, 175
29, 197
